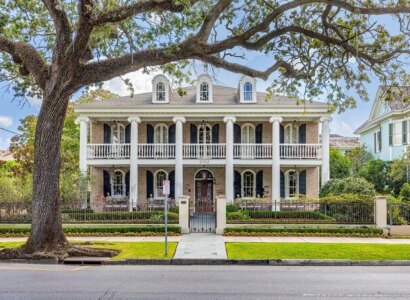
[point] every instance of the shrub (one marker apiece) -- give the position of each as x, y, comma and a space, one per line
349, 185
405, 192
237, 215
231, 208
264, 217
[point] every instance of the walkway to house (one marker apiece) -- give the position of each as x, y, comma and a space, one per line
201, 246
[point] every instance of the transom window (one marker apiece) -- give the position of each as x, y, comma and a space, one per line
118, 134
248, 184
204, 92
161, 134
159, 178
160, 91
291, 134
248, 134
204, 134
118, 183
247, 91
291, 184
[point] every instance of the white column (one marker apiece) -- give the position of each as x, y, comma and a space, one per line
133, 197
275, 189
325, 148
83, 121
179, 162
229, 171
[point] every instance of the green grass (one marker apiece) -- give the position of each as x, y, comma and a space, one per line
146, 250
317, 251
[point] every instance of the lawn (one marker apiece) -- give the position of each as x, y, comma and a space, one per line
153, 250
317, 251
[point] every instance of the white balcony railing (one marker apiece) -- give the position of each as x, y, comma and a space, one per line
108, 151
204, 151
299, 151
251, 151
156, 151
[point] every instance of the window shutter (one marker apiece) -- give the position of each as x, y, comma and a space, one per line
171, 134
150, 184
171, 178
128, 134
150, 134
380, 139
375, 142
107, 134
236, 134
391, 134
107, 183
194, 134
282, 185
237, 185
215, 134
282, 134
127, 183
259, 184
258, 134
302, 134
404, 132
302, 183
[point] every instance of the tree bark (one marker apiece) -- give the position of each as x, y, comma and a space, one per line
46, 228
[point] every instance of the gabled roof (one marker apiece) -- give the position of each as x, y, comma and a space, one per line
222, 95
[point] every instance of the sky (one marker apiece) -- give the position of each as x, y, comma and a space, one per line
11, 112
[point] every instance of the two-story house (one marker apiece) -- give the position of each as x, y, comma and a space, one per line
209, 140
386, 132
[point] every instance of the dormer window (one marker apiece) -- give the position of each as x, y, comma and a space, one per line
204, 89
247, 90
160, 89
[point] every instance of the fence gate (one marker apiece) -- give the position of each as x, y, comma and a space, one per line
202, 222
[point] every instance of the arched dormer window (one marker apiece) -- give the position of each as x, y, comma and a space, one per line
160, 89
247, 90
204, 89
118, 183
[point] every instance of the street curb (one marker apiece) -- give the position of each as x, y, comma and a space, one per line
48, 261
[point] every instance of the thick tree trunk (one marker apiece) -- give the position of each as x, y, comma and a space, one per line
46, 227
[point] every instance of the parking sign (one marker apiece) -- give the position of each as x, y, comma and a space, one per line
165, 187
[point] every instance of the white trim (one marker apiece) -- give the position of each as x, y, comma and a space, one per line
202, 169
293, 128
165, 126
155, 183
247, 80
207, 125
205, 78
160, 79
124, 188
119, 125
253, 127
242, 184
287, 184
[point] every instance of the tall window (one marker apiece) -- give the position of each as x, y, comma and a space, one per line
291, 134
160, 91
248, 134
204, 92
397, 133
248, 184
204, 134
377, 141
118, 183
160, 176
161, 134
291, 184
118, 134
247, 91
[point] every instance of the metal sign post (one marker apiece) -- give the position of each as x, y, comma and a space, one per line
166, 190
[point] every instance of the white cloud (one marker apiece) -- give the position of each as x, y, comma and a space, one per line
6, 121
4, 143
341, 127
140, 81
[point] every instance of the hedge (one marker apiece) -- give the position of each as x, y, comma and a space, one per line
266, 231
277, 216
99, 231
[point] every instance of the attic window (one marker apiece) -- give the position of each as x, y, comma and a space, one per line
247, 91
160, 90
204, 92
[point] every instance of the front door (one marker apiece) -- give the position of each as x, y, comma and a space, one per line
204, 196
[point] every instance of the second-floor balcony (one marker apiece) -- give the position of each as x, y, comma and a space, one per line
204, 151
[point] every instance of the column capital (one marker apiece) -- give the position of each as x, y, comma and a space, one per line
229, 119
274, 119
81, 119
132, 119
177, 119
327, 119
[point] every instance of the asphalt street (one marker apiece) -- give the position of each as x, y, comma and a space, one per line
19, 281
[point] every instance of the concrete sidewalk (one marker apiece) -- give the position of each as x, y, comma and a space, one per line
201, 246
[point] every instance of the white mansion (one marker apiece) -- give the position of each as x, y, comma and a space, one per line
212, 140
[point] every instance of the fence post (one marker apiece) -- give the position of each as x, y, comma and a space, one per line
220, 214
380, 204
183, 202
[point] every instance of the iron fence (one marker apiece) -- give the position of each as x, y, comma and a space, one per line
398, 214
306, 212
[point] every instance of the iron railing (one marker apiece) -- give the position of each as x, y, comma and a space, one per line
398, 214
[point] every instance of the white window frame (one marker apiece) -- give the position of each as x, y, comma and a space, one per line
202, 80
158, 189
117, 133
208, 126
291, 134
287, 185
248, 93
163, 138
398, 133
121, 185
160, 93
248, 133
156, 81
204, 92
245, 80
253, 187
377, 141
